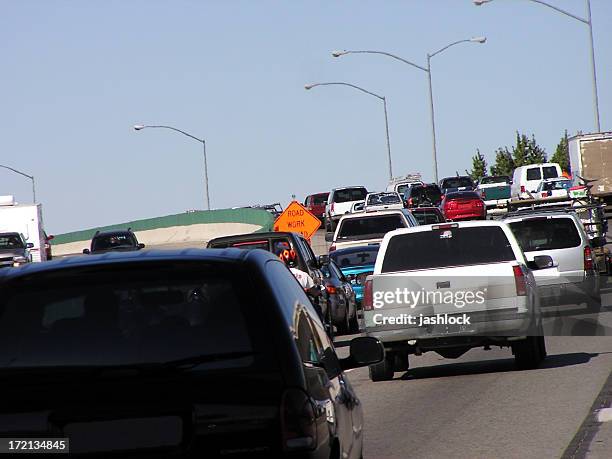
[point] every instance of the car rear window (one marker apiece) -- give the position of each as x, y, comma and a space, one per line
427, 217
251, 245
430, 193
358, 256
457, 182
463, 195
534, 174
550, 172
131, 314
113, 241
350, 194
382, 199
557, 185
444, 248
535, 234
370, 225
495, 179
318, 199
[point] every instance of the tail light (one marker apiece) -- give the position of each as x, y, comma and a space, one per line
588, 259
332, 247
522, 188
331, 209
477, 203
483, 193
298, 428
330, 289
519, 281
410, 201
451, 205
368, 296
544, 194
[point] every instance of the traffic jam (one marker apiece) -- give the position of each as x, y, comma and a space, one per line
244, 348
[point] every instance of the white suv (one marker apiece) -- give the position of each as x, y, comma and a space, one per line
340, 202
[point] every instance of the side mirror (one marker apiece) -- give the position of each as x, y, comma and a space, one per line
50, 237
29, 245
86, 251
329, 237
599, 241
331, 364
313, 264
364, 350
543, 262
141, 246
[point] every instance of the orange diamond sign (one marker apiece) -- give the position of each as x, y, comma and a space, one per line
297, 219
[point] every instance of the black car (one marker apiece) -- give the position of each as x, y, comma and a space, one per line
419, 195
114, 241
276, 242
192, 353
342, 305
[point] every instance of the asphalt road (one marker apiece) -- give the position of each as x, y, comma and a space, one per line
479, 406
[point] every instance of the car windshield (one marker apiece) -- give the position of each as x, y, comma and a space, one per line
542, 233
350, 194
447, 247
11, 241
372, 226
427, 216
381, 199
355, 256
457, 182
113, 241
495, 179
126, 314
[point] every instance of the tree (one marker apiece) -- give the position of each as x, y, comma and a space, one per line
561, 155
527, 151
504, 163
479, 166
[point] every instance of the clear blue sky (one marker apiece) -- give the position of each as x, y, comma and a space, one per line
75, 76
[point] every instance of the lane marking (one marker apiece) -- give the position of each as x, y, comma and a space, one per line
604, 415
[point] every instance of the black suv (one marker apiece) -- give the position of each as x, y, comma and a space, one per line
422, 195
275, 242
114, 241
191, 353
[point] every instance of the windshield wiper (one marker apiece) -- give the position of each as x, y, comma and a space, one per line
191, 362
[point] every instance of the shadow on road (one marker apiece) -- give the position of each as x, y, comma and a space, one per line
495, 366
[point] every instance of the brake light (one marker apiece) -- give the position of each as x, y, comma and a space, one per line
332, 207
445, 226
410, 201
330, 289
368, 296
298, 428
522, 188
332, 248
450, 205
519, 281
544, 194
588, 259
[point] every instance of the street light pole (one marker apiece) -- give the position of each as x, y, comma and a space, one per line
139, 127
428, 71
384, 100
588, 21
31, 177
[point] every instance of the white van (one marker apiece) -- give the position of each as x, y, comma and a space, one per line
526, 179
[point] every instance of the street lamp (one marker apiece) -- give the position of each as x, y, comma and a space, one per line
31, 177
426, 69
588, 21
139, 127
384, 100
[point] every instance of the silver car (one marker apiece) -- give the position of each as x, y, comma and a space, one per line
561, 235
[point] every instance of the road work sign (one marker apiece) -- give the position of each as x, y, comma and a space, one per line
297, 219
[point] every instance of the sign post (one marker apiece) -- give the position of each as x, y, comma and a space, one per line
297, 219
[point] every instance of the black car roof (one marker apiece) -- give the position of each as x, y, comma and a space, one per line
109, 258
254, 236
113, 233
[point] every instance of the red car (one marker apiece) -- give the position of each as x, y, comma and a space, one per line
315, 203
463, 205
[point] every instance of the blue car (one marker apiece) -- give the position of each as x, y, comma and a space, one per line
356, 263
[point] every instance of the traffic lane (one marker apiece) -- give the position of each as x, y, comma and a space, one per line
480, 406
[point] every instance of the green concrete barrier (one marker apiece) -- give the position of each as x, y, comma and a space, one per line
257, 217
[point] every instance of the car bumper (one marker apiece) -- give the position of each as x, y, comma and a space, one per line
465, 215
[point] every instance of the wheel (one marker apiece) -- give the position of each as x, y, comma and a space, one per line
384, 370
542, 344
344, 327
527, 353
400, 361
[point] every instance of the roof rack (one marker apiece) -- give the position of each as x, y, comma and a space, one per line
416, 177
551, 209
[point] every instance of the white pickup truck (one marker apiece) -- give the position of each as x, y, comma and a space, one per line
451, 287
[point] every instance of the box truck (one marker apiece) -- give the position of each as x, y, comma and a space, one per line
27, 220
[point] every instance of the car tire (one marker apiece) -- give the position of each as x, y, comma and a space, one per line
354, 323
384, 370
401, 361
527, 353
344, 327
542, 344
